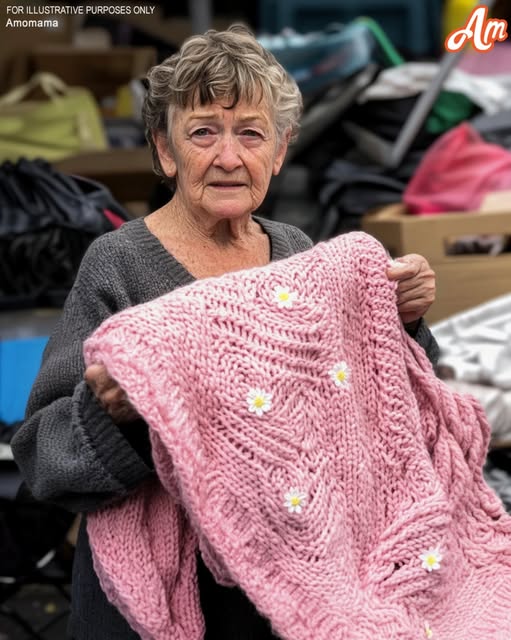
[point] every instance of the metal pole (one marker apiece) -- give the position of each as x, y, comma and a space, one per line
200, 15
425, 103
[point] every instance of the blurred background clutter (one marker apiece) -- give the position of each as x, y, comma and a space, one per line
399, 138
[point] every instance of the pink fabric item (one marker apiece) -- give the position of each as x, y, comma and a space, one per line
456, 172
116, 220
493, 63
320, 500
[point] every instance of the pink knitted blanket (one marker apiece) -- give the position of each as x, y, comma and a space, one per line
304, 444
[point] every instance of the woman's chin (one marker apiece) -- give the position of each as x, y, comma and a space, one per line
231, 210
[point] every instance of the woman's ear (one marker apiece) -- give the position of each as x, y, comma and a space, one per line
281, 153
164, 153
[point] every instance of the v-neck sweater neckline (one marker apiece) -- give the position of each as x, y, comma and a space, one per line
279, 247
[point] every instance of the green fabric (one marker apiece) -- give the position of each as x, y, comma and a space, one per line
450, 109
391, 56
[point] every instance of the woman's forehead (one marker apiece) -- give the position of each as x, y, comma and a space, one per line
242, 110
228, 96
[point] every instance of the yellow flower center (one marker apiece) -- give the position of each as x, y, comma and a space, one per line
341, 376
431, 560
283, 296
258, 402
295, 501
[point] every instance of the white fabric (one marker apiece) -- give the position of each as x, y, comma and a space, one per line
476, 345
491, 93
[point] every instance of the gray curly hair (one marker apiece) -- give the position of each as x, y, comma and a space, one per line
213, 66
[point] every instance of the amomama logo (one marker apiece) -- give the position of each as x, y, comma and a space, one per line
484, 33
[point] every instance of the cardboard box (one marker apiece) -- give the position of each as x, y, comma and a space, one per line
17, 43
101, 71
463, 281
128, 173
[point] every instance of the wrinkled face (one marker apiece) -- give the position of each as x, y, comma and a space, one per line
222, 158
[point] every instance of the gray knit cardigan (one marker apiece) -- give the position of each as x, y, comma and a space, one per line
68, 449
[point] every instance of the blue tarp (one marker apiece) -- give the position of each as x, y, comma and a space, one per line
20, 360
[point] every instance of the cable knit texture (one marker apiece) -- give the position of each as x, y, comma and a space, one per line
303, 442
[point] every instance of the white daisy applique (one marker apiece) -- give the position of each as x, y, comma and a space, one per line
294, 500
259, 401
431, 559
428, 631
284, 297
340, 374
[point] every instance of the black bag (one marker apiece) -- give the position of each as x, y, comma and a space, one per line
47, 221
28, 529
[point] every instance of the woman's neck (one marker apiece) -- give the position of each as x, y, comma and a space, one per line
210, 249
174, 220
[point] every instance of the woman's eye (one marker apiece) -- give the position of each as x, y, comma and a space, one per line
251, 133
203, 131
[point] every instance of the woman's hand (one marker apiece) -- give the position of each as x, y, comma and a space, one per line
415, 286
109, 394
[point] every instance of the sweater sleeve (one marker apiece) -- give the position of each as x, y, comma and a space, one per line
299, 240
69, 450
423, 336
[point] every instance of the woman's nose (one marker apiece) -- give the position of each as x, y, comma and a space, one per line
228, 154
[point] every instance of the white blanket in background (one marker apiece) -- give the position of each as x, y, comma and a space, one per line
476, 345
491, 93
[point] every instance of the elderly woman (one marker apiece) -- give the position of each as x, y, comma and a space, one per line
219, 117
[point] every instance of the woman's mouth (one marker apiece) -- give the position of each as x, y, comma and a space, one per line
226, 185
